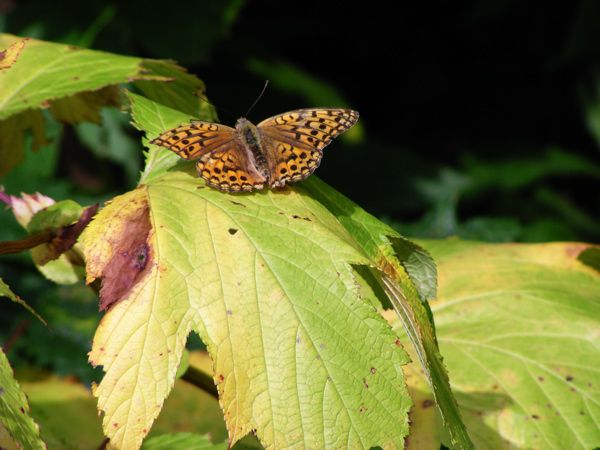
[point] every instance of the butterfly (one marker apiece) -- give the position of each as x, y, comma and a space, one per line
282, 149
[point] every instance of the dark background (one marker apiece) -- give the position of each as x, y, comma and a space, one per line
478, 118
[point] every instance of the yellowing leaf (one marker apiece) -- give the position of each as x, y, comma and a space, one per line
266, 282
9, 55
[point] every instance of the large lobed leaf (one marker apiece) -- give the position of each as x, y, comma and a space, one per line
519, 329
266, 280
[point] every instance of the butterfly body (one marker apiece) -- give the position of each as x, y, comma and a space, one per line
282, 149
250, 137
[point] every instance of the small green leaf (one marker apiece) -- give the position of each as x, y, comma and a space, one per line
5, 291
185, 92
55, 216
419, 265
37, 212
14, 410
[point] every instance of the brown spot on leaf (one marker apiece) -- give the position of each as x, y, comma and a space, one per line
427, 403
365, 383
373, 370
130, 262
238, 203
1, 391
303, 218
115, 424
22, 409
232, 231
362, 409
398, 343
10, 55
569, 378
535, 417
541, 378
221, 377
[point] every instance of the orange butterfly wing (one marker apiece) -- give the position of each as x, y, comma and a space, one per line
294, 141
229, 170
192, 140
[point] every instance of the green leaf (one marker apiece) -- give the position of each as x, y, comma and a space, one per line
46, 71
5, 291
182, 441
37, 212
14, 410
12, 139
56, 215
376, 239
266, 280
73, 82
518, 327
156, 119
184, 92
419, 265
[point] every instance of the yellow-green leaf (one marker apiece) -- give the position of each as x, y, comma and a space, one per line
73, 82
266, 280
407, 274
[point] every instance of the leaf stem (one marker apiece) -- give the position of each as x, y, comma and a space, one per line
201, 380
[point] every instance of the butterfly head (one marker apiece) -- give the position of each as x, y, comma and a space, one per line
242, 123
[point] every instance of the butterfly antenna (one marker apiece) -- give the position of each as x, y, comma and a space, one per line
218, 108
257, 98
